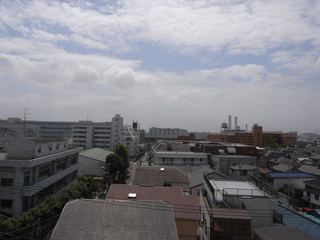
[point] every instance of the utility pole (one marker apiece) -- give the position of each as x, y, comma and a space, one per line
24, 122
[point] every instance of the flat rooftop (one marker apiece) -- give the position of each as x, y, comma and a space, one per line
235, 188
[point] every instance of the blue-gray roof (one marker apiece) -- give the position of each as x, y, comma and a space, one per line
293, 219
292, 175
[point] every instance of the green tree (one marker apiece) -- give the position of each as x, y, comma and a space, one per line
116, 168
122, 151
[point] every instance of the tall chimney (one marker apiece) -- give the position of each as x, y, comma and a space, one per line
229, 122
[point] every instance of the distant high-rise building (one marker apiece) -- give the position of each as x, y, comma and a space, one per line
235, 122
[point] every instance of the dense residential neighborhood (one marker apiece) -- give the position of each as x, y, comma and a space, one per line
180, 188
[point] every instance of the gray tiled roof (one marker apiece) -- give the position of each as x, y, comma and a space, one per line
153, 176
116, 219
310, 169
196, 177
281, 233
95, 153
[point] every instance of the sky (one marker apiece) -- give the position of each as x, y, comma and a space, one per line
169, 64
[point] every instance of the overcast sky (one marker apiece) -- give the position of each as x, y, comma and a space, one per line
170, 64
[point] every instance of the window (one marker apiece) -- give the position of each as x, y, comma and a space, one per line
65, 145
50, 147
39, 149
25, 204
61, 164
6, 182
44, 171
57, 146
6, 203
27, 178
243, 173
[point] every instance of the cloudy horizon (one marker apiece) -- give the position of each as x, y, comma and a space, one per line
170, 64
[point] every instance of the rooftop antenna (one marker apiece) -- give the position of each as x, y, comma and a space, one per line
24, 121
88, 115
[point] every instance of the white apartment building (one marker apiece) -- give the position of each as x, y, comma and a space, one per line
33, 169
157, 132
105, 135
186, 161
130, 139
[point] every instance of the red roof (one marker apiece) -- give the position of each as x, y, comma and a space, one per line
184, 206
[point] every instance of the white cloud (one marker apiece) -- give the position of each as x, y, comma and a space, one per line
40, 73
244, 27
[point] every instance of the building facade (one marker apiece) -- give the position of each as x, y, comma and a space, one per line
255, 138
34, 169
167, 132
187, 161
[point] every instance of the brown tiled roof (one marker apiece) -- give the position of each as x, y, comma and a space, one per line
153, 176
184, 206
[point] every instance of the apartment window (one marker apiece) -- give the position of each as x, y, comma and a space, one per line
57, 146
44, 171
25, 204
39, 149
65, 145
4, 203
50, 147
72, 160
61, 164
27, 178
6, 182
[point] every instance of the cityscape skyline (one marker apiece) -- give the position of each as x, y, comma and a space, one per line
177, 64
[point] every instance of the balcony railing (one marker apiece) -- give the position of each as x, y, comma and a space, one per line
263, 186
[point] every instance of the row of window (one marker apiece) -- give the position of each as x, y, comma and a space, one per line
50, 147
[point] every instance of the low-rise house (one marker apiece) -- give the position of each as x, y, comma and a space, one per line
314, 170
278, 180
315, 160
185, 207
242, 172
288, 217
34, 169
256, 205
93, 162
161, 176
222, 163
116, 219
187, 161
196, 178
311, 193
